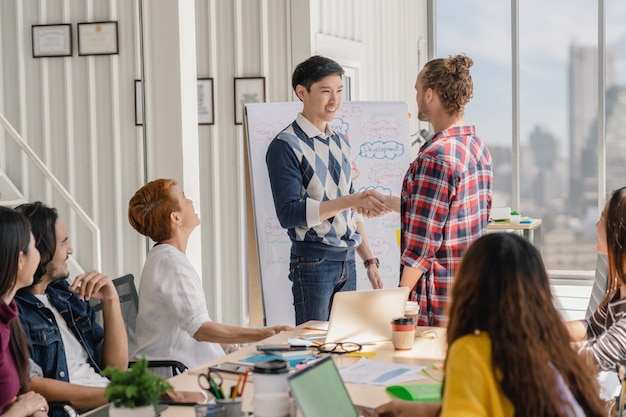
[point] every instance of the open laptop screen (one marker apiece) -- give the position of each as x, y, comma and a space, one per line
320, 392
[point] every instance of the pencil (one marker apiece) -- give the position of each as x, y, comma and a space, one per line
236, 390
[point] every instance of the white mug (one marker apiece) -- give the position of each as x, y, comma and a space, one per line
271, 404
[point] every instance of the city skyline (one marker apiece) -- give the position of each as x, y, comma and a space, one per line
558, 50
547, 32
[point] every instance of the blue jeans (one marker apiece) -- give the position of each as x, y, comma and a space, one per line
315, 282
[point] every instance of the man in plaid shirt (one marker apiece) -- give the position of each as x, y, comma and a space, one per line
446, 193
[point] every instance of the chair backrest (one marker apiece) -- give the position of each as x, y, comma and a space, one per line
129, 304
599, 283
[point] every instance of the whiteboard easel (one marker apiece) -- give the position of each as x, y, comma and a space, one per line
381, 151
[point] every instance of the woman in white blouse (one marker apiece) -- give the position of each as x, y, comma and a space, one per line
173, 322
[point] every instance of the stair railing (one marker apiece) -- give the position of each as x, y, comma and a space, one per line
97, 250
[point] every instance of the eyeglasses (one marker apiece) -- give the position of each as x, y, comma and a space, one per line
340, 347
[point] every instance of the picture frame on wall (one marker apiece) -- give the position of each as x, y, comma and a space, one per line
138, 104
247, 90
52, 40
98, 38
206, 109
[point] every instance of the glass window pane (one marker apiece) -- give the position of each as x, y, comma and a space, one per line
558, 112
481, 29
616, 96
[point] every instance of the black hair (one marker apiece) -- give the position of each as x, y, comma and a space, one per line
314, 69
14, 238
43, 221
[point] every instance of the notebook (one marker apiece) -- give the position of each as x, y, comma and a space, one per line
320, 392
365, 316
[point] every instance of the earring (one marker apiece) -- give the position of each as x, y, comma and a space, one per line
180, 225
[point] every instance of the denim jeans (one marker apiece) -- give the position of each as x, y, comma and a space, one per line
315, 282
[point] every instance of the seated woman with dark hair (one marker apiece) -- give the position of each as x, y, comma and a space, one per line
18, 261
605, 331
509, 352
173, 322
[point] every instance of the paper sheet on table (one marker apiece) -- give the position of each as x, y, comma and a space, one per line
367, 372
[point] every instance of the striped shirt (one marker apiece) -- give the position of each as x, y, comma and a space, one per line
606, 334
446, 200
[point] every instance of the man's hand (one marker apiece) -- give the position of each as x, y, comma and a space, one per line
94, 284
371, 203
392, 203
374, 276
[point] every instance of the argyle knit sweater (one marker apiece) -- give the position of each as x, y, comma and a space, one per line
316, 168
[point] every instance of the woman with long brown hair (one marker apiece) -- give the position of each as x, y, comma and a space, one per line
605, 330
18, 261
509, 352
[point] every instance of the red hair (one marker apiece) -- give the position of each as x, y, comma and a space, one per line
150, 208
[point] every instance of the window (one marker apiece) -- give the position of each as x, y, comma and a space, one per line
557, 106
481, 29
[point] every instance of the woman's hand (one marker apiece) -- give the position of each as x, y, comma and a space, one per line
29, 404
271, 331
399, 408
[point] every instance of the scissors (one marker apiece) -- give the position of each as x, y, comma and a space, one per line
212, 382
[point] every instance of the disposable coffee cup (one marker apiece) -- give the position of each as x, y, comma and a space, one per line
403, 333
412, 310
271, 404
232, 408
271, 376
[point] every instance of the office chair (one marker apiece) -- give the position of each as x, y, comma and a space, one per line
129, 304
598, 291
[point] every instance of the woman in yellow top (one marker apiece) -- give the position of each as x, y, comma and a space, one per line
509, 350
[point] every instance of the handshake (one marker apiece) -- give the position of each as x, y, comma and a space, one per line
371, 203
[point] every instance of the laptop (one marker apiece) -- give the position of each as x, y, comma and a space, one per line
365, 316
320, 392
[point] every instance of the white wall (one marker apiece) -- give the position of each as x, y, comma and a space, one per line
78, 112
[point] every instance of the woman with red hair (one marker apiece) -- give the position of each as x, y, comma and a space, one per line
173, 322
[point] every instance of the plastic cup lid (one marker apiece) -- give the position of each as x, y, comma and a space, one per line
403, 320
273, 366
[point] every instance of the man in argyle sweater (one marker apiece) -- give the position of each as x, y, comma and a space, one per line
310, 173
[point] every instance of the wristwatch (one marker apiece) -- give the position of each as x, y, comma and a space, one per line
371, 261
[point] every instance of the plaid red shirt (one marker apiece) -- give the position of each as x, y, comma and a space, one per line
446, 200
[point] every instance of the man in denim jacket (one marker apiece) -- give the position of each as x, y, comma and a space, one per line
64, 338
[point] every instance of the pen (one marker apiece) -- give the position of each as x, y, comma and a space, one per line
245, 379
216, 390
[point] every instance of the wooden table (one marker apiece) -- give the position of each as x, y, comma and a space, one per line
531, 231
426, 350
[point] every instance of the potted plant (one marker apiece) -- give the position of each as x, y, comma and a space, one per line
134, 392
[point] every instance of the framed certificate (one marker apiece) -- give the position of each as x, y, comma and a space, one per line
98, 38
248, 90
52, 40
206, 111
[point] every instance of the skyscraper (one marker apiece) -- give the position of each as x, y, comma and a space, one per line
583, 110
